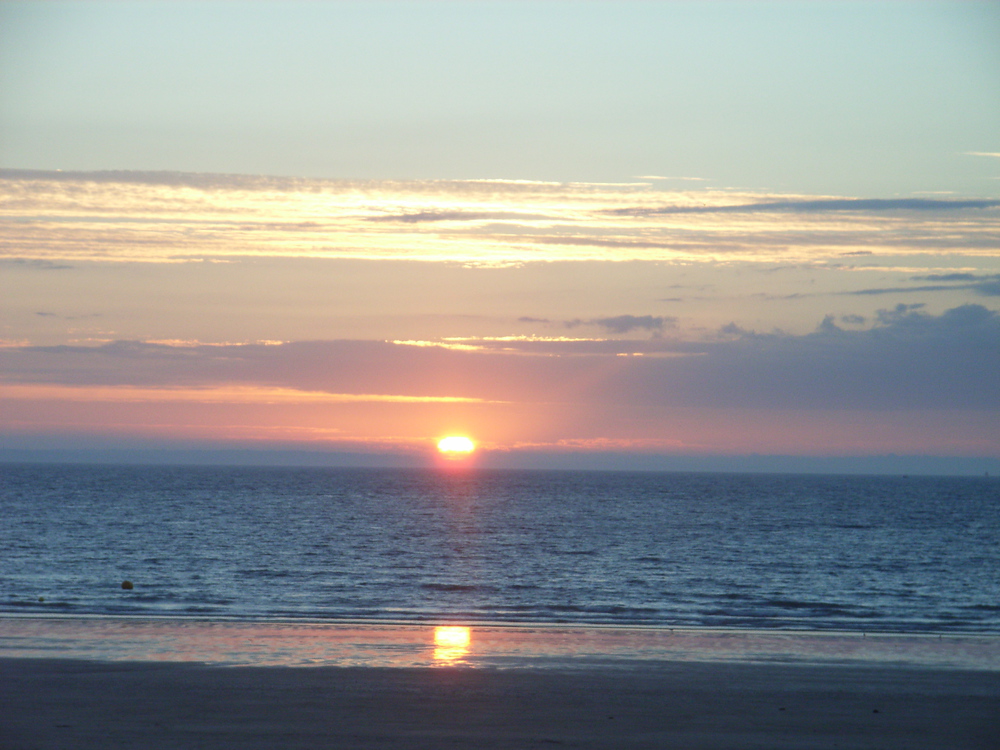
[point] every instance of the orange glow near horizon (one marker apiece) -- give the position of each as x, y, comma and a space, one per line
216, 394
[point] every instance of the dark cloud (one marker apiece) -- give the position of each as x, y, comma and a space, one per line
731, 329
36, 264
654, 346
621, 242
817, 206
948, 277
985, 285
614, 324
46, 314
896, 290
908, 360
626, 323
827, 325
888, 317
430, 216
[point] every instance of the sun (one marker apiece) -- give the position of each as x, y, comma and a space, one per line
455, 446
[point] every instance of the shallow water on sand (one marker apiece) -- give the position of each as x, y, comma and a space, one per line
243, 643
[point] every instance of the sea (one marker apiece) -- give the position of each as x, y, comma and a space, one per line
873, 554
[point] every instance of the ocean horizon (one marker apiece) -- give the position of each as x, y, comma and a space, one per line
282, 457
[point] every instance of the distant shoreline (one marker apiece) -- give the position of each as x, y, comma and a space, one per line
237, 458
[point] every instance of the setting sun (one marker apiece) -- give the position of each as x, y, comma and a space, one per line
456, 445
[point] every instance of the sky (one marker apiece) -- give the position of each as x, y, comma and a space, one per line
654, 234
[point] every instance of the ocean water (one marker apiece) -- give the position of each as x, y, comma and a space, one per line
782, 552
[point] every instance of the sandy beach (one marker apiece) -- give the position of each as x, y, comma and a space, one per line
57, 703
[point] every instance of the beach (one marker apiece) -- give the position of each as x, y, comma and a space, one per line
80, 704
98, 683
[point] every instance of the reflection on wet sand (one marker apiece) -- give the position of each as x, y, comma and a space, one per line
451, 643
504, 646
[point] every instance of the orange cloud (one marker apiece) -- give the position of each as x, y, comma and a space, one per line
228, 394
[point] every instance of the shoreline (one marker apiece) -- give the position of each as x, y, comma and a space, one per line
290, 643
450, 619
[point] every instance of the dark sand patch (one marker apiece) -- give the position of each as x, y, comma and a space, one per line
83, 705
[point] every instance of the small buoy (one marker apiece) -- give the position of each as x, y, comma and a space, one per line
127, 585
41, 598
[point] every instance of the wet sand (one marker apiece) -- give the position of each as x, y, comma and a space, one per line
79, 704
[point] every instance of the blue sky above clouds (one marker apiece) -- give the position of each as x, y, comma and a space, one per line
870, 98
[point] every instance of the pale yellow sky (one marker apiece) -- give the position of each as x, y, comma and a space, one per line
223, 259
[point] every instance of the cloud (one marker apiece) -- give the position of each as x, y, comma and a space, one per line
432, 216
818, 206
664, 177
897, 290
625, 323
950, 277
528, 319
909, 359
913, 382
986, 285
888, 317
618, 243
267, 183
988, 289
615, 324
154, 217
200, 180
257, 395
36, 264
47, 314
731, 329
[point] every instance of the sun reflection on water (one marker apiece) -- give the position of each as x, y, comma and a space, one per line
451, 643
